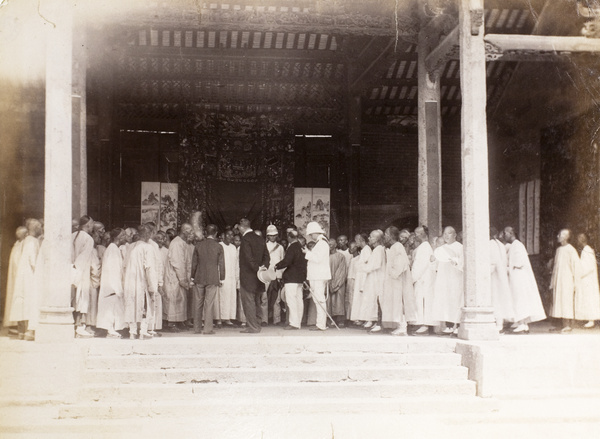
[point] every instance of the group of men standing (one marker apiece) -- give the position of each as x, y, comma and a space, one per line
144, 280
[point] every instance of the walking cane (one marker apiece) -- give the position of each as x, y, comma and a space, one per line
306, 285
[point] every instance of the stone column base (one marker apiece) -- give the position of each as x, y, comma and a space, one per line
56, 325
478, 323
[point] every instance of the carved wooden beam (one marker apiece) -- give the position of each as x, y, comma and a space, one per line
348, 17
536, 47
446, 50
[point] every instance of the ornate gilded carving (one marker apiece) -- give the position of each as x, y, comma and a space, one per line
492, 52
591, 29
476, 20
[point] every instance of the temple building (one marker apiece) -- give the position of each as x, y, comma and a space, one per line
467, 113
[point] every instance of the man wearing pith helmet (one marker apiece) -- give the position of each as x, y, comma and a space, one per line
318, 271
271, 306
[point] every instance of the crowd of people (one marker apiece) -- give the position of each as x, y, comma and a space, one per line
141, 282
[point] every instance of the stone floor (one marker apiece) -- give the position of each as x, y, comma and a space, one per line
541, 379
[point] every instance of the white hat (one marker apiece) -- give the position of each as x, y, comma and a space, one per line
272, 230
314, 227
266, 276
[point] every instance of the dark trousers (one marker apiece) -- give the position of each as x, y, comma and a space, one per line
204, 301
251, 301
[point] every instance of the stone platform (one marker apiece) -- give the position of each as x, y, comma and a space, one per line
301, 384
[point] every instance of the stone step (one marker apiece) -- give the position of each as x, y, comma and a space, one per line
281, 391
348, 359
308, 373
268, 345
276, 407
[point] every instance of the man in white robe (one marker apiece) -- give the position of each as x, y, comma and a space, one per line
86, 275
351, 279
157, 312
398, 304
140, 286
177, 279
110, 299
527, 303
130, 232
162, 240
13, 261
587, 300
227, 291
359, 282
24, 299
566, 280
448, 290
372, 288
501, 295
423, 275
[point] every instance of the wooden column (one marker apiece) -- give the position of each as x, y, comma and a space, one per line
477, 321
429, 165
79, 123
353, 165
56, 317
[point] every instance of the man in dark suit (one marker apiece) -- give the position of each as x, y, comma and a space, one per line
208, 272
253, 255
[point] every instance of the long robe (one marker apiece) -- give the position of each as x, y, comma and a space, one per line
527, 303
587, 299
86, 272
501, 295
13, 262
191, 297
164, 254
337, 285
39, 285
448, 290
140, 284
94, 291
110, 299
423, 275
566, 278
24, 289
175, 272
351, 278
398, 304
359, 281
160, 272
227, 291
272, 297
373, 285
